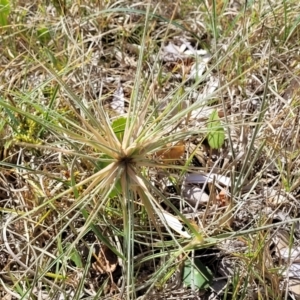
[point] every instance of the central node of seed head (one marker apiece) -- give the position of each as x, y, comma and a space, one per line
125, 160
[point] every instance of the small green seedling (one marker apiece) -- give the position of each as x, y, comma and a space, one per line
216, 135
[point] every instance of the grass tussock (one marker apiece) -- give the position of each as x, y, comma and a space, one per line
149, 150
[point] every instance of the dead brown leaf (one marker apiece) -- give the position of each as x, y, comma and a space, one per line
172, 153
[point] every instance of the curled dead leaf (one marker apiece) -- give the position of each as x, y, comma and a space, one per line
225, 201
172, 152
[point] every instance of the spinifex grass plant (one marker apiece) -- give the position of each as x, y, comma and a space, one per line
125, 159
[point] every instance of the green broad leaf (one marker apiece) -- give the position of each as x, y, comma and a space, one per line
44, 35
101, 165
196, 275
75, 257
117, 190
4, 12
216, 134
118, 127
